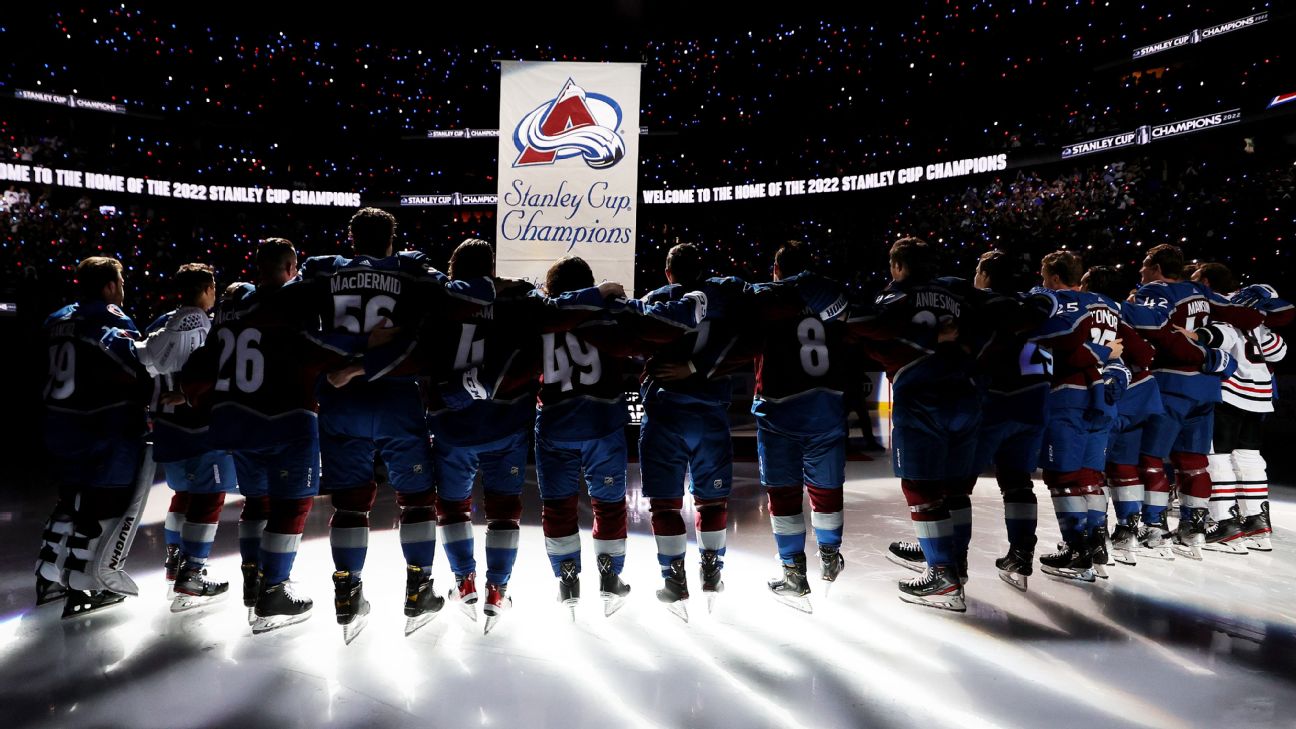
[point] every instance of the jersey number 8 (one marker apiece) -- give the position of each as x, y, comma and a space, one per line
814, 347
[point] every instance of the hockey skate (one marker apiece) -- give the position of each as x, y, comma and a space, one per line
1015, 568
1125, 544
464, 593
611, 588
1190, 537
251, 588
194, 590
908, 555
938, 586
498, 602
1155, 539
350, 605
82, 602
712, 581
1098, 551
421, 601
48, 591
278, 607
674, 594
831, 564
569, 586
1256, 530
171, 568
1226, 535
793, 589
1070, 563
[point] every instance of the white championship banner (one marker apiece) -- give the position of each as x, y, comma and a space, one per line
568, 168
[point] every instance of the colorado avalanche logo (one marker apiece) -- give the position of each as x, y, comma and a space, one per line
574, 124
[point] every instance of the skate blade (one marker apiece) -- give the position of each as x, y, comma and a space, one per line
79, 608
797, 603
952, 603
51, 595
491, 621
1188, 551
251, 616
711, 601
353, 629
265, 624
1073, 575
1164, 553
469, 609
170, 591
182, 602
678, 609
1124, 556
1100, 570
1258, 544
1232, 547
418, 621
612, 602
1018, 581
914, 566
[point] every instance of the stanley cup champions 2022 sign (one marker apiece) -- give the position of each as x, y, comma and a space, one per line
568, 168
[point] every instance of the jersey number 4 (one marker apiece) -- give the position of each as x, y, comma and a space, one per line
562, 357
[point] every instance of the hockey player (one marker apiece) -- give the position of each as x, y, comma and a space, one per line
95, 399
1239, 485
914, 328
580, 426
1081, 411
685, 429
801, 415
199, 476
1182, 432
260, 367
384, 415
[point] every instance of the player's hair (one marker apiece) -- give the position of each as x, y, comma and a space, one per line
474, 258
1066, 265
275, 253
918, 258
1218, 276
237, 291
568, 273
684, 262
1108, 281
1003, 270
1169, 258
792, 257
372, 231
192, 280
94, 273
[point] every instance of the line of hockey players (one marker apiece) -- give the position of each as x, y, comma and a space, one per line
294, 385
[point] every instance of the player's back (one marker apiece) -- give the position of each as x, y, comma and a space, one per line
93, 374
1078, 334
706, 347
800, 372
1017, 375
180, 430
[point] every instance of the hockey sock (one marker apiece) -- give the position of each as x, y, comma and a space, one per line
610, 531
282, 536
1069, 504
826, 515
1224, 485
418, 526
1193, 477
711, 522
562, 539
199, 530
787, 521
1156, 488
1021, 510
958, 499
252, 522
503, 512
349, 527
931, 520
454, 523
1095, 499
175, 518
1253, 480
668, 530
1126, 491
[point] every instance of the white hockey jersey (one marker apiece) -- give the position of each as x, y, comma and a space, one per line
1251, 386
